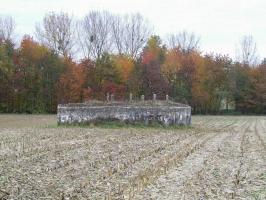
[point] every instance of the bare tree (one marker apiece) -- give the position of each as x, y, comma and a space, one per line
57, 32
130, 34
95, 34
118, 33
101, 31
247, 53
7, 26
185, 41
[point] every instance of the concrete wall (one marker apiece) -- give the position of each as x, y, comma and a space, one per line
167, 115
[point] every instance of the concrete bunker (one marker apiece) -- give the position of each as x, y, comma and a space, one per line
163, 112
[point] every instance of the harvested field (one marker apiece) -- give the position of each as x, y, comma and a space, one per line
219, 157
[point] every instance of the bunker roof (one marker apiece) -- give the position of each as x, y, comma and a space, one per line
159, 103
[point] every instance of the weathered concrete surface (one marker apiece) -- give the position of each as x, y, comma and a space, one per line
167, 113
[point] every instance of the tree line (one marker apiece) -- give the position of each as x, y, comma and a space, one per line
121, 55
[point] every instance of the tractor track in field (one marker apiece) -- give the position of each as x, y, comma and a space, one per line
172, 187
259, 136
238, 175
196, 146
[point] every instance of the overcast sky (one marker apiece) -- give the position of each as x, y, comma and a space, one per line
220, 23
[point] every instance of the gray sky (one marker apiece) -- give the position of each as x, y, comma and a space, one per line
220, 23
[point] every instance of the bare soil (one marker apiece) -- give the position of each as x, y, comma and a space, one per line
219, 157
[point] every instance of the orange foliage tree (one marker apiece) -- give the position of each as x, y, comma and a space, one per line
124, 65
72, 85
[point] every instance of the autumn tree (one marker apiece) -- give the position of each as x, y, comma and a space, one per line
72, 85
124, 65
28, 80
212, 79
57, 32
37, 70
257, 102
105, 76
179, 69
152, 78
171, 69
181, 62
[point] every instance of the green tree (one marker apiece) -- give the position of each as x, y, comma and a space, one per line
7, 69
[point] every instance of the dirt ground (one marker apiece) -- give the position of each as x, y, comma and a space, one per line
219, 157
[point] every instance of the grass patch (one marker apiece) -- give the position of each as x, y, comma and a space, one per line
114, 124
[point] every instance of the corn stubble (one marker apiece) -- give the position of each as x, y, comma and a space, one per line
218, 158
